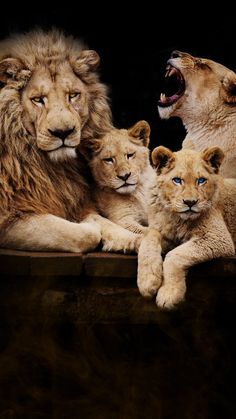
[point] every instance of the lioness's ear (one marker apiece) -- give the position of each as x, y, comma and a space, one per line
90, 147
229, 88
162, 157
140, 132
13, 69
214, 157
87, 61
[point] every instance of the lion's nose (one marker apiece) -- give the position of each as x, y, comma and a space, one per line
60, 133
125, 176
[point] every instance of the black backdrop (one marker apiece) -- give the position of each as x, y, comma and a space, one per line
134, 41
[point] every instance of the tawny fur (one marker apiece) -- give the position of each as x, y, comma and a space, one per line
51, 99
191, 220
205, 100
121, 169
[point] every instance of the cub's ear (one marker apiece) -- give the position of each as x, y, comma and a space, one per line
13, 69
90, 147
213, 157
229, 88
162, 158
140, 132
88, 60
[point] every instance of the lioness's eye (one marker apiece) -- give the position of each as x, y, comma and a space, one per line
74, 95
108, 160
37, 100
177, 180
130, 155
201, 180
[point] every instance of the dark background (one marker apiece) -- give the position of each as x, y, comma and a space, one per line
56, 364
134, 41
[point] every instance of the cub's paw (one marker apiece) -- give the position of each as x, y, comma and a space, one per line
169, 296
149, 281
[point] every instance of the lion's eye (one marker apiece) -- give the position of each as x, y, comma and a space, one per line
177, 180
201, 180
38, 100
108, 160
130, 155
74, 95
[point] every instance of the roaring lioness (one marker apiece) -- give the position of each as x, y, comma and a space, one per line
203, 94
122, 172
192, 213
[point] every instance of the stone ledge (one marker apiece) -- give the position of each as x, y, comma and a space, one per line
94, 264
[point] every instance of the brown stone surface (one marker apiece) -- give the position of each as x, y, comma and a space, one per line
76, 343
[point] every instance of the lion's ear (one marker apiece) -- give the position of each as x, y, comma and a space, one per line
140, 132
162, 158
13, 69
90, 147
229, 88
87, 61
213, 156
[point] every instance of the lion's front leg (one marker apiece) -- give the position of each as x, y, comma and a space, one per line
150, 264
50, 233
216, 243
116, 238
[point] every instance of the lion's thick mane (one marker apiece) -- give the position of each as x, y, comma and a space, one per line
31, 182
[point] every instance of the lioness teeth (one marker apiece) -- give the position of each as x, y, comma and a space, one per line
162, 97
171, 71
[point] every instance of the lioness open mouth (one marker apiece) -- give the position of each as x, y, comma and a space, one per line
173, 87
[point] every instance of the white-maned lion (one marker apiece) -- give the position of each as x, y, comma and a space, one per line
50, 100
192, 213
203, 94
121, 169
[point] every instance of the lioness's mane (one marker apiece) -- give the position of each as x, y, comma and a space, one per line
30, 181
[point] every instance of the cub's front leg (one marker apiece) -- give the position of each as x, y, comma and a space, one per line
115, 238
215, 243
150, 264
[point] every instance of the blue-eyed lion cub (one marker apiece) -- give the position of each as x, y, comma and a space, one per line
122, 172
192, 216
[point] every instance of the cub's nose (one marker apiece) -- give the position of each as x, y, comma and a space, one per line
125, 176
189, 202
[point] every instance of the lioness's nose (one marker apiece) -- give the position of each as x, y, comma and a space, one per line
60, 133
179, 54
125, 176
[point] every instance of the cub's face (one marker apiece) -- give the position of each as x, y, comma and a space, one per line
119, 159
195, 85
187, 181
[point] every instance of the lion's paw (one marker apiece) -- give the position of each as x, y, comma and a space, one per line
126, 243
169, 296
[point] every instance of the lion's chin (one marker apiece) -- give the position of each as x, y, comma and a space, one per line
62, 153
189, 215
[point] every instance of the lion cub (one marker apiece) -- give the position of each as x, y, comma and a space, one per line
191, 209
122, 172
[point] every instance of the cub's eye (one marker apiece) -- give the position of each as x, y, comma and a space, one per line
177, 180
130, 155
38, 100
108, 160
201, 180
74, 95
